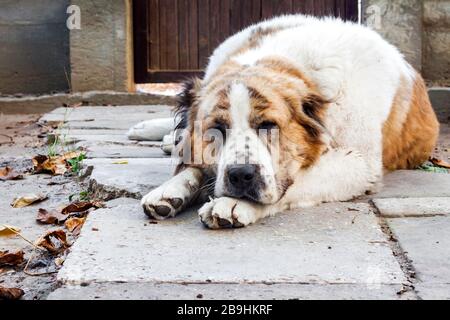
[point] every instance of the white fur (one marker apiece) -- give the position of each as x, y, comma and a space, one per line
183, 186
151, 130
356, 69
239, 106
244, 146
353, 67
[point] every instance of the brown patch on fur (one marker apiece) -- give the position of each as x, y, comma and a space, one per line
252, 42
281, 94
256, 38
409, 141
284, 67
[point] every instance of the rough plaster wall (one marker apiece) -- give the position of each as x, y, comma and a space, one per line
436, 53
399, 22
100, 51
34, 46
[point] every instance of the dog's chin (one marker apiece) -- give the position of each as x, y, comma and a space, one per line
252, 196
247, 196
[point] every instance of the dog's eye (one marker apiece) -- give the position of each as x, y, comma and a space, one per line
221, 127
267, 125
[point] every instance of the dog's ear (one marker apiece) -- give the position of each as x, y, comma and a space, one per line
185, 110
314, 106
310, 115
186, 101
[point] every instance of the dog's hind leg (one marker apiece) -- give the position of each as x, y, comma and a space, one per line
174, 195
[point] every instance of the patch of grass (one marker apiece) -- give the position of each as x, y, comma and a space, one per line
429, 167
60, 145
75, 163
82, 196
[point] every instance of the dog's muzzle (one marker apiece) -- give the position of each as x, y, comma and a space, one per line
243, 181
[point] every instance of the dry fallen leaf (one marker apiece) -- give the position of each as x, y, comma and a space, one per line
11, 259
6, 230
440, 163
59, 261
54, 241
50, 217
10, 293
28, 200
7, 173
74, 225
56, 165
71, 155
53, 165
81, 206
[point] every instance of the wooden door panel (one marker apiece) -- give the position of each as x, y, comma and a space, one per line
174, 38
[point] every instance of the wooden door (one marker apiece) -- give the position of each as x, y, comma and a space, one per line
174, 38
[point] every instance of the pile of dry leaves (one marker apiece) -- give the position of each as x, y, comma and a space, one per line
68, 219
54, 242
57, 165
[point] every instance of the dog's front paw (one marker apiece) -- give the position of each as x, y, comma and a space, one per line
227, 213
165, 202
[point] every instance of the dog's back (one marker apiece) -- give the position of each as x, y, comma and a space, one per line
366, 78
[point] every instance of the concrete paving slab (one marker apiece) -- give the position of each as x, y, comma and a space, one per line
115, 151
106, 123
46, 103
149, 291
107, 139
433, 291
135, 179
426, 241
414, 184
90, 132
101, 118
413, 207
323, 245
87, 113
100, 139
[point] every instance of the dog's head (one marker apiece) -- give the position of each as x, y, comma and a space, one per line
251, 128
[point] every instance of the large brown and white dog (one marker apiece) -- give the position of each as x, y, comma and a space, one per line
344, 103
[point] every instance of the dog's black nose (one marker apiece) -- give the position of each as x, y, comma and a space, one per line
241, 176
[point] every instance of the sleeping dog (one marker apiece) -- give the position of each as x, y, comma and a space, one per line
302, 111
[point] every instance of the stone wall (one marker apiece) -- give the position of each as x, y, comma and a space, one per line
101, 51
38, 53
420, 29
400, 22
436, 41
34, 46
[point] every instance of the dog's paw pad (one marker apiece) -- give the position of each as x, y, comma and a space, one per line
163, 211
176, 202
223, 223
159, 210
164, 202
